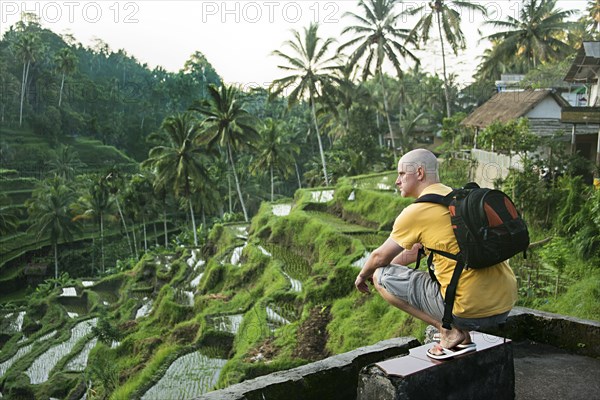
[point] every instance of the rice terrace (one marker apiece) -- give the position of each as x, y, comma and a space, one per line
191, 226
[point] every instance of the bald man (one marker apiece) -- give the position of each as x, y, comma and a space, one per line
484, 297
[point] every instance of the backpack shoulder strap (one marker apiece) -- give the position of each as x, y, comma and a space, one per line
436, 198
451, 294
430, 198
471, 185
451, 289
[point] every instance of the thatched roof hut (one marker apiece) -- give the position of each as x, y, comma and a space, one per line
507, 106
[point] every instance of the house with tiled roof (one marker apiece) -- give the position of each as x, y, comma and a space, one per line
585, 118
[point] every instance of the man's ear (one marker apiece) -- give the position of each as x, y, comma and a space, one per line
420, 173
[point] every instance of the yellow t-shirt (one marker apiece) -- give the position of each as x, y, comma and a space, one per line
480, 292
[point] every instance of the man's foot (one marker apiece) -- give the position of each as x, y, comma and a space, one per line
450, 338
435, 338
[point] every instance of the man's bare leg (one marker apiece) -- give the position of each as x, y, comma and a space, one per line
449, 338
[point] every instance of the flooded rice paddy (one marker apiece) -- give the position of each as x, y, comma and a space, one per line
361, 262
227, 323
39, 370
237, 255
14, 322
281, 210
23, 351
79, 362
145, 309
68, 292
196, 281
322, 196
189, 376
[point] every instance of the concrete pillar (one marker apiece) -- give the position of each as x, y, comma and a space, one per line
487, 373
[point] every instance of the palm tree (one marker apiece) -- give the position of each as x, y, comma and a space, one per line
593, 16
50, 214
140, 196
11, 87
447, 14
114, 182
275, 151
347, 93
66, 163
178, 161
96, 204
311, 74
377, 38
28, 46
161, 193
228, 124
65, 62
534, 37
495, 61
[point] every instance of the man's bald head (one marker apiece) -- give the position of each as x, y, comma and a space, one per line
414, 159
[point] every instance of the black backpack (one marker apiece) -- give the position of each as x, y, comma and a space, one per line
488, 229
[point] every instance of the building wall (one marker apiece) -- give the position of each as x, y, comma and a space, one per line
493, 166
547, 108
594, 99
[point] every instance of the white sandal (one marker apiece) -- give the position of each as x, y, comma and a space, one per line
449, 353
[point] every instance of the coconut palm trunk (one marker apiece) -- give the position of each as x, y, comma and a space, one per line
55, 260
102, 241
124, 225
314, 115
62, 85
387, 109
165, 225
145, 235
298, 175
229, 194
237, 182
193, 221
135, 246
446, 88
272, 183
23, 89
155, 233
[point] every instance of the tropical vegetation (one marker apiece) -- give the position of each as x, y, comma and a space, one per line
163, 215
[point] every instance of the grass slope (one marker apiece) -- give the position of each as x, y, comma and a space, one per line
281, 326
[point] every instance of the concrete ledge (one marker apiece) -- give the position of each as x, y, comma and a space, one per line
487, 373
332, 378
337, 377
579, 336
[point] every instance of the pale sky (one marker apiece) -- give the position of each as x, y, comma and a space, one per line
237, 37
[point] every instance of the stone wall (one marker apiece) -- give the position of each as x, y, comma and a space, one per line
579, 336
332, 378
337, 377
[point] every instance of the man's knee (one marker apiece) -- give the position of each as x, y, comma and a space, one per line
376, 277
377, 283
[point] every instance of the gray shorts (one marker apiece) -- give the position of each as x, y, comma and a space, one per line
419, 290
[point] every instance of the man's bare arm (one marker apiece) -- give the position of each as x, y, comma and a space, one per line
407, 257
